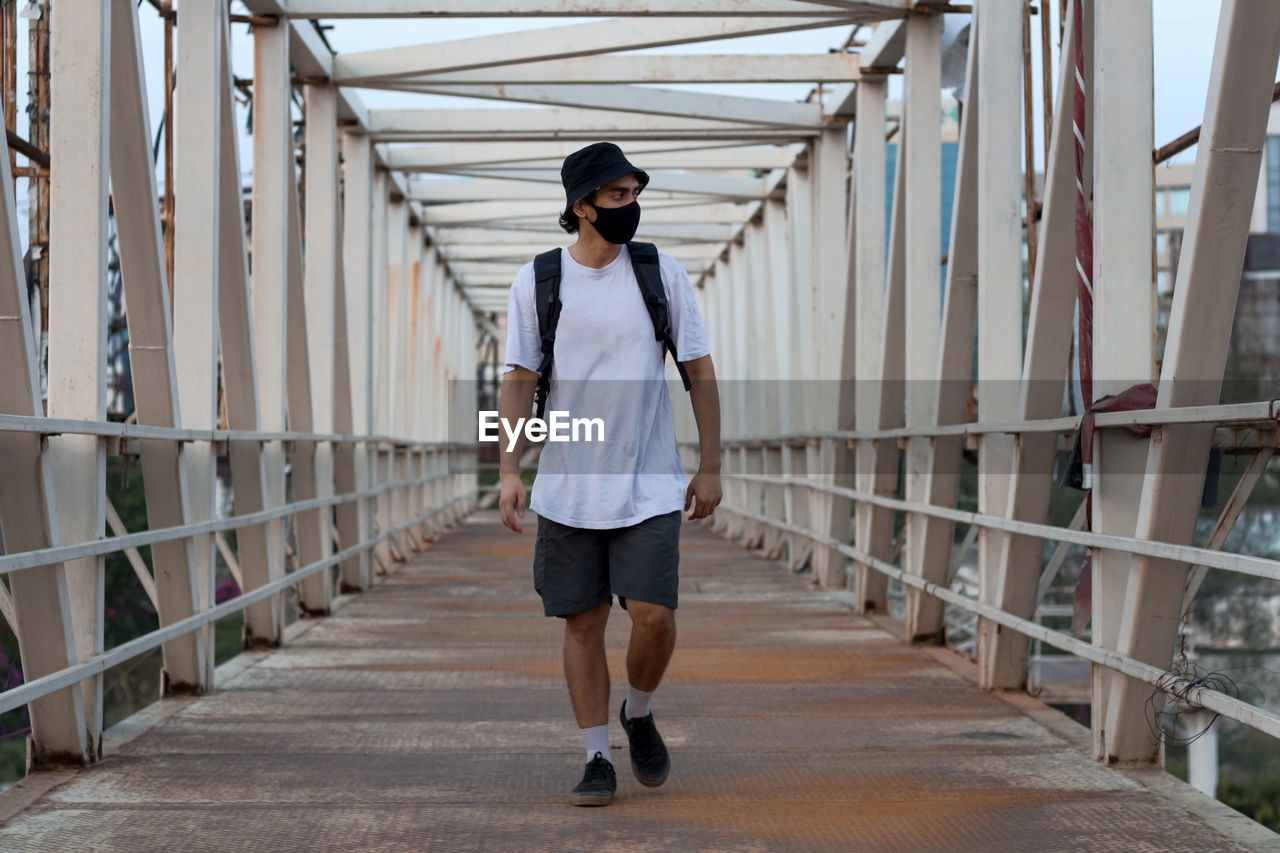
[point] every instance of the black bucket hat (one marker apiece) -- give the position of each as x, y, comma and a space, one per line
590, 168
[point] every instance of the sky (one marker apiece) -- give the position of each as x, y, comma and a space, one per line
1183, 36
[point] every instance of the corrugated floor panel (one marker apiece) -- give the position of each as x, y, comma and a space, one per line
430, 714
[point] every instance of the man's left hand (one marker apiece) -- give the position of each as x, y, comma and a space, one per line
703, 494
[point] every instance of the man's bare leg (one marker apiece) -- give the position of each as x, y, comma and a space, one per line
653, 638
586, 669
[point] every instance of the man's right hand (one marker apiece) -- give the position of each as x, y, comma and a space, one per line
512, 501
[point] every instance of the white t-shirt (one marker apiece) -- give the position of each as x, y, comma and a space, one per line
607, 365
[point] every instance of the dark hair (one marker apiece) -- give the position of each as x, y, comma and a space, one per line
569, 219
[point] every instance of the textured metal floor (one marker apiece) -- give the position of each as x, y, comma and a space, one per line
430, 714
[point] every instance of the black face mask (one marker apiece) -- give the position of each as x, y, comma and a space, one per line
617, 224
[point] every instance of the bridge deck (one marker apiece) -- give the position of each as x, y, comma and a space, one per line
430, 714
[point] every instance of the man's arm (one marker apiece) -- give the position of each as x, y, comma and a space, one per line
514, 402
704, 491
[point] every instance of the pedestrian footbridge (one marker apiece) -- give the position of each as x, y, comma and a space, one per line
254, 263
429, 713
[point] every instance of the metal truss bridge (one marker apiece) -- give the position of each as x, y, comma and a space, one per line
300, 299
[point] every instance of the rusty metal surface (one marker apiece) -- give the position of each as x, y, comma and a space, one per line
430, 714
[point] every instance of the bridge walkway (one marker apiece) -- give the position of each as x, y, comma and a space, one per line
429, 713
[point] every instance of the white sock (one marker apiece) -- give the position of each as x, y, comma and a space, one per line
596, 739
638, 702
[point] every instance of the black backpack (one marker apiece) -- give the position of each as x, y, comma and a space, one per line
546, 273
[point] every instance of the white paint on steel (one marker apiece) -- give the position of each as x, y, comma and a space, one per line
557, 43
79, 142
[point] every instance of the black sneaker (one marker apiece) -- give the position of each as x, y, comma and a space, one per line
649, 759
597, 785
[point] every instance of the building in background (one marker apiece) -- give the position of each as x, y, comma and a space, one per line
1173, 196
1253, 365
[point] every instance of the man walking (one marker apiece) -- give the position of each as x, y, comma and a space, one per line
588, 329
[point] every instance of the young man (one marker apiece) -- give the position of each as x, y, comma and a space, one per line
609, 511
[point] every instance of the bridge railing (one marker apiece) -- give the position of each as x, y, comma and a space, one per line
788, 503
415, 490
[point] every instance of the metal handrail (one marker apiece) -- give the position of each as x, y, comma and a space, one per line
1262, 414
107, 545
119, 429
1265, 412
1257, 566
1174, 686
75, 673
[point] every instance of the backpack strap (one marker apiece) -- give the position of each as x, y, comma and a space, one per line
644, 258
546, 274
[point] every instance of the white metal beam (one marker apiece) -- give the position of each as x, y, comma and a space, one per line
547, 186
654, 213
642, 100
1228, 161
525, 250
922, 152
29, 516
380, 332
887, 46
864, 9
273, 174
558, 43
311, 57
627, 132
868, 250
714, 160
198, 140
79, 142
659, 68
521, 231
151, 351
1123, 299
999, 273
357, 281
320, 272
310, 526
550, 155
878, 461
1048, 345
260, 556
829, 168
554, 123
937, 481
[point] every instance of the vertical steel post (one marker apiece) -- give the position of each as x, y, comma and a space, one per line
999, 274
357, 234
79, 144
940, 482
29, 517
881, 459
393, 374
310, 526
319, 297
830, 288
380, 348
198, 139
260, 561
1123, 304
273, 174
870, 262
922, 152
151, 350
1047, 350
1228, 161
777, 356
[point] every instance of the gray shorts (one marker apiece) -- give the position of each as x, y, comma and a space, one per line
577, 568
